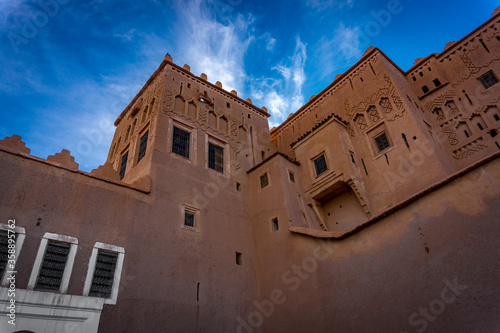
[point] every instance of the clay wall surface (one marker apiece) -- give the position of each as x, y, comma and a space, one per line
382, 277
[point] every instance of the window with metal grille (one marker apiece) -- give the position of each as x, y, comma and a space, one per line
4, 251
104, 274
489, 79
53, 265
142, 147
189, 219
215, 157
123, 165
264, 181
180, 142
320, 165
275, 224
382, 142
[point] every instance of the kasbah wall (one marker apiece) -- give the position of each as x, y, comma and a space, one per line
373, 208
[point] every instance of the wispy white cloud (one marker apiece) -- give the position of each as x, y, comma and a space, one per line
283, 94
212, 47
339, 51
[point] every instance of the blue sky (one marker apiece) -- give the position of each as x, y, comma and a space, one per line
68, 67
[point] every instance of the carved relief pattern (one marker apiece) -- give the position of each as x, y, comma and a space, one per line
168, 102
469, 149
452, 107
373, 113
360, 120
450, 133
386, 105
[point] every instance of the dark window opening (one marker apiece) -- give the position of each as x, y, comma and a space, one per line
249, 117
421, 74
264, 181
263, 154
361, 79
352, 158
466, 133
414, 78
4, 250
493, 133
180, 142
497, 118
123, 165
104, 274
189, 219
189, 85
382, 142
430, 69
142, 146
238, 187
275, 224
480, 126
215, 157
53, 265
484, 45
238, 258
488, 80
291, 176
228, 105
436, 82
320, 165
425, 89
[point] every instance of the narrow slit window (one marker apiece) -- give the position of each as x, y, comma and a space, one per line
104, 274
53, 265
275, 224
180, 142
291, 176
123, 165
480, 126
215, 157
320, 165
238, 259
143, 146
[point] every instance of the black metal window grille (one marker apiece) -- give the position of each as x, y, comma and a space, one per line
143, 146
53, 265
320, 165
215, 157
123, 165
180, 143
382, 142
104, 274
4, 250
188, 219
489, 79
264, 181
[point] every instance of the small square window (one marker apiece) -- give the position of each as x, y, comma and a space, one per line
189, 219
264, 181
291, 176
228, 105
142, 146
421, 74
425, 89
382, 142
215, 157
488, 80
189, 85
436, 82
275, 224
123, 165
238, 259
180, 142
320, 165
